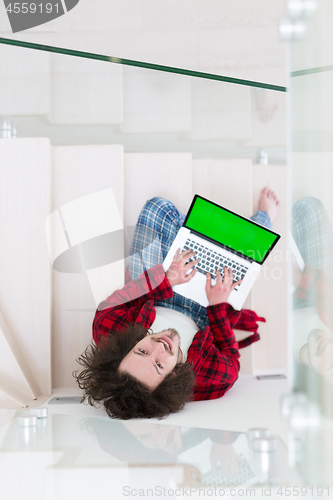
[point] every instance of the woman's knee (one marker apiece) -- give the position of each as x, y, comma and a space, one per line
159, 208
309, 205
161, 216
158, 203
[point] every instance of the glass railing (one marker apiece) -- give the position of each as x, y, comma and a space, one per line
128, 457
146, 107
100, 122
311, 128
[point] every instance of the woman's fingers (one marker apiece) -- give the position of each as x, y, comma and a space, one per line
227, 275
191, 274
182, 254
208, 283
176, 254
188, 254
192, 263
226, 280
236, 284
218, 276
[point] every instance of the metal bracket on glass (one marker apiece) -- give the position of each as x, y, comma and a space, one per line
7, 129
292, 26
291, 29
299, 411
262, 157
301, 8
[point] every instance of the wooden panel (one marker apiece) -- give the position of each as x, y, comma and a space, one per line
80, 171
9, 403
220, 111
85, 91
156, 102
24, 265
228, 183
24, 81
156, 174
14, 394
15, 350
270, 291
12, 379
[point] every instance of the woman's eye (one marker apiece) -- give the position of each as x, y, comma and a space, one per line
159, 365
143, 351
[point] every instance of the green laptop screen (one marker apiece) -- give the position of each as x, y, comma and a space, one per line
230, 230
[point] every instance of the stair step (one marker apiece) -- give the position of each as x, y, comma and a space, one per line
81, 171
79, 174
156, 174
25, 294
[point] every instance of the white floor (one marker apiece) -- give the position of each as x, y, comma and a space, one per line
250, 403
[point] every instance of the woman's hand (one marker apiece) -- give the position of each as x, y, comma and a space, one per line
177, 272
228, 459
222, 289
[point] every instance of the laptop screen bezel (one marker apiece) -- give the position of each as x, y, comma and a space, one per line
246, 257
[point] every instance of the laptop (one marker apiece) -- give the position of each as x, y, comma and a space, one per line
239, 468
220, 238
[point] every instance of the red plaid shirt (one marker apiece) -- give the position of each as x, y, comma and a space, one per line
213, 353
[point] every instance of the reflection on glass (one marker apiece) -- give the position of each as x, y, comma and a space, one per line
313, 338
312, 212
312, 317
153, 455
311, 107
84, 101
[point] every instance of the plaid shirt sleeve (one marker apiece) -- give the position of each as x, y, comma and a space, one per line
132, 304
214, 354
247, 321
214, 351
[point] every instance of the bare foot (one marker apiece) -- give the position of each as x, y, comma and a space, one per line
269, 203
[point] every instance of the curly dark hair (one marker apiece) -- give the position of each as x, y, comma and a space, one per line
122, 395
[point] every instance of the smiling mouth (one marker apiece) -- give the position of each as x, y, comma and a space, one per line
166, 342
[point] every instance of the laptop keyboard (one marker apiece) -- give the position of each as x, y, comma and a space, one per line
225, 479
210, 261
